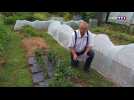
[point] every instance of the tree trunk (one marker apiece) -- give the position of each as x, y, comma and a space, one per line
108, 13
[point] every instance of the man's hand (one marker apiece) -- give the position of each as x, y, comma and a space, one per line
74, 53
75, 57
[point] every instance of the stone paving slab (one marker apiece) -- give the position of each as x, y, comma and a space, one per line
35, 68
38, 77
38, 73
50, 69
44, 83
31, 60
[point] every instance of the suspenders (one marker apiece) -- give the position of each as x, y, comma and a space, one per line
76, 38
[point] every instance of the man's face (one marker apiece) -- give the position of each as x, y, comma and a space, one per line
83, 29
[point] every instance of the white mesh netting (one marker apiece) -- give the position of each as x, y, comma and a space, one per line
61, 32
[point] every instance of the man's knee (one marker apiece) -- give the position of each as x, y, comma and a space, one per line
91, 53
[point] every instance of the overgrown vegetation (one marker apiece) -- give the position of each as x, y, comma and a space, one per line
117, 33
14, 72
10, 18
5, 38
87, 15
29, 31
41, 15
39, 54
62, 72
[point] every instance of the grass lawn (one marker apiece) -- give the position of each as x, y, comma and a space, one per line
15, 72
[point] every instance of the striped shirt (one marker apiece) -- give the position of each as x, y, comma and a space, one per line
81, 41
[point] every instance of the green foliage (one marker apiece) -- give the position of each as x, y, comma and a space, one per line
87, 15
30, 31
117, 27
39, 54
14, 72
10, 20
25, 16
67, 16
61, 82
62, 72
117, 33
4, 38
41, 16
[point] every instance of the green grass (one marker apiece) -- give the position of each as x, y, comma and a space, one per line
94, 79
15, 72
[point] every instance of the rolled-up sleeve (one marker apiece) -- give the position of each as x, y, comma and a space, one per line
91, 40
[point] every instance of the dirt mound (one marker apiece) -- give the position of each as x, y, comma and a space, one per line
32, 43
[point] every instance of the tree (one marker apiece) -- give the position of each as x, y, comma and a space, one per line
107, 16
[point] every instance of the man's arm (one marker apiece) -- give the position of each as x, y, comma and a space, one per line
73, 53
90, 43
88, 49
71, 46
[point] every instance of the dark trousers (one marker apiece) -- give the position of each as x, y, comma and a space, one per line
88, 60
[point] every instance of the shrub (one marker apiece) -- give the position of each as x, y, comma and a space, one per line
67, 16
87, 15
30, 31
117, 27
10, 20
63, 72
41, 16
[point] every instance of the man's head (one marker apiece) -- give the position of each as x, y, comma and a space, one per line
83, 27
